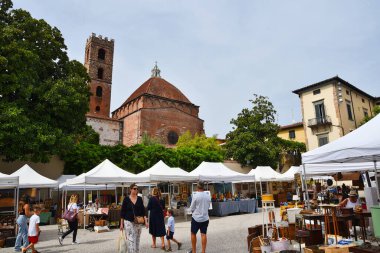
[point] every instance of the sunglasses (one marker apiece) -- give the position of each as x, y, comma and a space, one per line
134, 188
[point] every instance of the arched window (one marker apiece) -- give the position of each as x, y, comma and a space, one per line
97, 109
172, 138
101, 54
99, 91
100, 73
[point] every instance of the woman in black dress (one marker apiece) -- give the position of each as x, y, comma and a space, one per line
156, 218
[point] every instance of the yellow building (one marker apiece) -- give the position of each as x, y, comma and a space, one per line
293, 132
332, 108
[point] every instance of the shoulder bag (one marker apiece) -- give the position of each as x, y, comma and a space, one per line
137, 219
70, 216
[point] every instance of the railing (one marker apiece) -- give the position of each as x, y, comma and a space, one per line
319, 121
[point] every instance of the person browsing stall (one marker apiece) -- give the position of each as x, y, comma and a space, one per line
200, 219
132, 207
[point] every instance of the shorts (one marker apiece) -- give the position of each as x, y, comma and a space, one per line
33, 239
170, 235
202, 226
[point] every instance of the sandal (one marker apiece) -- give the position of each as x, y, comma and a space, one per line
153, 246
163, 248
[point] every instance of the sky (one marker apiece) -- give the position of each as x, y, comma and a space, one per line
220, 52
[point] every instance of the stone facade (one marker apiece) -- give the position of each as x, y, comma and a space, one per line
108, 129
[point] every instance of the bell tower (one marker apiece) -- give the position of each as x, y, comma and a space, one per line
99, 62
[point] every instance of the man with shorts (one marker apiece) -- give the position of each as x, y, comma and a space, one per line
33, 231
199, 208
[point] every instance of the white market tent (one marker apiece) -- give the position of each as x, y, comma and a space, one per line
104, 173
8, 181
265, 174
160, 172
29, 178
314, 172
63, 185
361, 145
218, 172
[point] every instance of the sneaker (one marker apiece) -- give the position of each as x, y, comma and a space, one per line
179, 245
60, 239
73, 243
189, 251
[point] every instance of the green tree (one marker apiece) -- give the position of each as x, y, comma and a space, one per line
43, 95
376, 110
198, 141
253, 140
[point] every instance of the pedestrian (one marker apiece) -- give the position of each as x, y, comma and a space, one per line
132, 207
34, 230
156, 218
73, 225
22, 223
170, 231
200, 219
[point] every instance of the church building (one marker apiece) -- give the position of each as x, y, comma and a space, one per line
157, 108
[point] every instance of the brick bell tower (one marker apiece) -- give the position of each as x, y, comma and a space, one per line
99, 62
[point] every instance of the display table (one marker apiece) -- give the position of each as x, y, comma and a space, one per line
229, 207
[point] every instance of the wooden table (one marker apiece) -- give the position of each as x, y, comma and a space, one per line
360, 219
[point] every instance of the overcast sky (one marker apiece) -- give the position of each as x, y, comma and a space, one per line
219, 53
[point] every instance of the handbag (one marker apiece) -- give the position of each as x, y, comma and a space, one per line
70, 216
122, 245
137, 219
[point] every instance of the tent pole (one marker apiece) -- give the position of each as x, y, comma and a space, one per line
255, 188
377, 180
18, 199
303, 180
116, 195
84, 207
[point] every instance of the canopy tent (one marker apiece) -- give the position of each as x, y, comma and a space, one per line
29, 178
289, 174
160, 172
104, 173
361, 145
265, 174
8, 181
65, 186
218, 172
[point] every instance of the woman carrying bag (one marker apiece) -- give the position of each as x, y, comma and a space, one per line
132, 218
73, 224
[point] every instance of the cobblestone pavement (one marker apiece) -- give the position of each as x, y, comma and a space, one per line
225, 234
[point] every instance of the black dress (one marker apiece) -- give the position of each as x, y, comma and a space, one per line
156, 218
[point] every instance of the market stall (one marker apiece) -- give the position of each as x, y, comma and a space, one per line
177, 181
225, 203
105, 173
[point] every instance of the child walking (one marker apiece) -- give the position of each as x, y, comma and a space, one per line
34, 230
170, 231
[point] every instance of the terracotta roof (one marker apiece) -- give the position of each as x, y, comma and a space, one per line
298, 124
335, 78
157, 86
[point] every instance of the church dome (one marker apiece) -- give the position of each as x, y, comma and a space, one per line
157, 86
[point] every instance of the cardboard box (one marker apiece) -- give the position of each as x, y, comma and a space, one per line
336, 250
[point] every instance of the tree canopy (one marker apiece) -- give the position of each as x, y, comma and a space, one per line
253, 140
40, 88
376, 110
